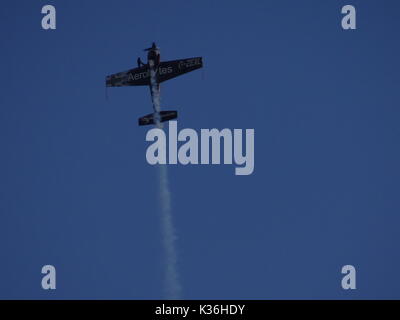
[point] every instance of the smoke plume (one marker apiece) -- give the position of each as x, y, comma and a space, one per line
173, 287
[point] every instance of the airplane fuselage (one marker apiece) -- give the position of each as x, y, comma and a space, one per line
153, 60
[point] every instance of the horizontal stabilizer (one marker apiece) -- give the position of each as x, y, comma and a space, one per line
164, 116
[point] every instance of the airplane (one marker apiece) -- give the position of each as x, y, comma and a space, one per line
164, 71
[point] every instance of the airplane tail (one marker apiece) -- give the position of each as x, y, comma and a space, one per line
164, 116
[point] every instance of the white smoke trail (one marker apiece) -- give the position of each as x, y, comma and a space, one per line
173, 287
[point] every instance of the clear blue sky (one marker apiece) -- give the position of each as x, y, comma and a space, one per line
76, 190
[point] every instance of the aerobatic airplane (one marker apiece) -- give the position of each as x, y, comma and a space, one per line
164, 71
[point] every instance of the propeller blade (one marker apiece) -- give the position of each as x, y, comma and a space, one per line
153, 47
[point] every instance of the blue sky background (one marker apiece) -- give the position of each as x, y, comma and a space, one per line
76, 190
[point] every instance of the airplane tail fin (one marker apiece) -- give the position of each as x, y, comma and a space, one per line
164, 116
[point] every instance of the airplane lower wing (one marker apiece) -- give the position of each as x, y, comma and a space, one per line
134, 77
171, 69
166, 70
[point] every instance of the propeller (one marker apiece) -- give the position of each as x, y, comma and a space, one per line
153, 47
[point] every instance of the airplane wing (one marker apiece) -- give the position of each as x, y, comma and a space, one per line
134, 77
171, 69
166, 70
